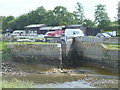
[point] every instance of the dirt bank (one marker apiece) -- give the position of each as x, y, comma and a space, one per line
42, 74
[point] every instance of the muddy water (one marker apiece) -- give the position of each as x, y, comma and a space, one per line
45, 76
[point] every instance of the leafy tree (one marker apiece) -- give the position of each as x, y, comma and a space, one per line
89, 23
1, 19
19, 23
118, 15
79, 13
118, 10
49, 18
59, 16
33, 17
60, 13
12, 24
101, 17
36, 16
63, 17
5, 22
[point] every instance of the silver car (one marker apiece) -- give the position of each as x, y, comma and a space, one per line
103, 35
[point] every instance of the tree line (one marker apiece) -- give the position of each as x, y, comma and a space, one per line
60, 16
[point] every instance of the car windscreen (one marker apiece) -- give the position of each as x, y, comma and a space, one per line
105, 34
77, 32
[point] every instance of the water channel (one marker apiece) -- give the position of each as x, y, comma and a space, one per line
45, 76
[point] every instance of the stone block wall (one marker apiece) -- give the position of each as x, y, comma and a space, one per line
43, 53
114, 40
96, 54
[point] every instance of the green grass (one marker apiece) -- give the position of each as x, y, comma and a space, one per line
113, 46
29, 43
0, 46
17, 84
106, 31
3, 46
118, 34
36, 38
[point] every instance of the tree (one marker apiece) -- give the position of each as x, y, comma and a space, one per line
89, 23
1, 19
101, 17
5, 22
19, 22
49, 18
119, 14
59, 16
118, 10
79, 13
33, 17
36, 16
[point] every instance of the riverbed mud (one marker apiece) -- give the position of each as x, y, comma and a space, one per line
48, 75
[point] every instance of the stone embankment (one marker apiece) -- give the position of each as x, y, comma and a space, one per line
94, 52
40, 53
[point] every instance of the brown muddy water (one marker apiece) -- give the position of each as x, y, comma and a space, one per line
45, 76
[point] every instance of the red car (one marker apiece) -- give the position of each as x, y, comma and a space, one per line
50, 34
59, 33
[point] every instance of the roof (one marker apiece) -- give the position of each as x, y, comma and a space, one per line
46, 28
57, 27
74, 25
34, 25
19, 31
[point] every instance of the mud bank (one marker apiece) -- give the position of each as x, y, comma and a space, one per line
45, 75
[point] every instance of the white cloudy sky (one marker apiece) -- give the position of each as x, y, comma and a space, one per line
19, 7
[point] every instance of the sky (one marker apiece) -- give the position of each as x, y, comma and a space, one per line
19, 7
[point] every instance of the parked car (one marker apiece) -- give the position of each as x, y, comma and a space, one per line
38, 40
103, 35
59, 33
70, 33
18, 33
25, 40
50, 34
73, 33
110, 33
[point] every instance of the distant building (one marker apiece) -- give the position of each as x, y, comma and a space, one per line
57, 28
44, 30
81, 27
47, 29
34, 28
92, 31
86, 30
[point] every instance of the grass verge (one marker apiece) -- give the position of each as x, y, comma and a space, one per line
113, 46
17, 84
29, 43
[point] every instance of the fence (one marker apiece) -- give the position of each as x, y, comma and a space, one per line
31, 39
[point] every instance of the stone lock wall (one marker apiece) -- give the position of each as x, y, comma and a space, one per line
43, 53
96, 54
87, 51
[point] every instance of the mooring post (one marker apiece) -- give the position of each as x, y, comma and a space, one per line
60, 58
